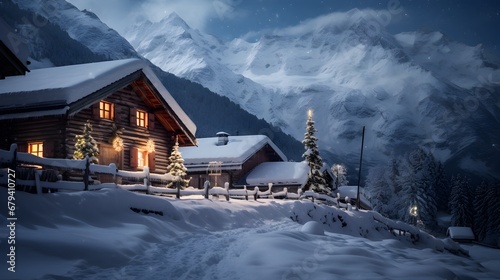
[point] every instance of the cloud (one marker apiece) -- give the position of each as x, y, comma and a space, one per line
120, 14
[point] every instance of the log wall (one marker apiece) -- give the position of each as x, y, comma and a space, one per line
133, 136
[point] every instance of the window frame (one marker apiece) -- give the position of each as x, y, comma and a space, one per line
103, 110
141, 117
38, 152
142, 155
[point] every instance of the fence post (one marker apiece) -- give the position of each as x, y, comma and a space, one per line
13, 149
206, 186
112, 165
226, 187
146, 178
246, 192
86, 174
178, 186
37, 182
256, 193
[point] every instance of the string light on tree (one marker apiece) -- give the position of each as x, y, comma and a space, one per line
315, 182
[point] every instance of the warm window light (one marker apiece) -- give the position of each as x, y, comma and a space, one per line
36, 148
106, 110
142, 118
142, 158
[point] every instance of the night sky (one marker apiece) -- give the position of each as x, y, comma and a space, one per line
467, 21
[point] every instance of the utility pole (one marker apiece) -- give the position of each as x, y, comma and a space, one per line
359, 171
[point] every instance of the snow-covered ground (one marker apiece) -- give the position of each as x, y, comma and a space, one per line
98, 235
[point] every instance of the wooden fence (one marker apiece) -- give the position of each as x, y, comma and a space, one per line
48, 178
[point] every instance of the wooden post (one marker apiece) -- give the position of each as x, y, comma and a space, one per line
226, 187
147, 180
246, 192
178, 187
13, 163
359, 171
256, 193
112, 165
86, 174
37, 182
206, 186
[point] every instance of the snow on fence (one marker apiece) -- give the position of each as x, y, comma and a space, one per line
38, 180
13, 159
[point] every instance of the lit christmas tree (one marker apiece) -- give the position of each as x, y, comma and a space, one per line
315, 182
86, 145
176, 166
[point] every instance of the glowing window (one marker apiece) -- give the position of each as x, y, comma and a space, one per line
142, 158
106, 110
36, 148
142, 118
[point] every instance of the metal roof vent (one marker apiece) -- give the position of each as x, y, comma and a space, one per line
223, 138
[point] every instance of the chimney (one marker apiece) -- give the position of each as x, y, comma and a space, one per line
223, 138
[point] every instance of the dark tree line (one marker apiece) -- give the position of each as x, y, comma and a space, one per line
418, 180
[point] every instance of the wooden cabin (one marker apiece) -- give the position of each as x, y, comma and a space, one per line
135, 120
226, 158
290, 175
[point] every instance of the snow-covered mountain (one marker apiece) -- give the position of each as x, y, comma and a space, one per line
82, 26
409, 89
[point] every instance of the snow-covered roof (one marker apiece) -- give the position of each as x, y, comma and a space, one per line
59, 87
235, 152
278, 173
462, 233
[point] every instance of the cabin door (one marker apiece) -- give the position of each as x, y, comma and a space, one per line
108, 155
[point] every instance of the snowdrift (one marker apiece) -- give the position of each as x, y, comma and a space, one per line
118, 234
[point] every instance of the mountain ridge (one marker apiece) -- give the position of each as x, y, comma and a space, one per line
411, 89
209, 112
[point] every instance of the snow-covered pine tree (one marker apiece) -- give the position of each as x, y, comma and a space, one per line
426, 195
481, 203
442, 186
493, 227
315, 182
86, 145
460, 205
392, 174
407, 196
176, 166
417, 178
378, 192
340, 173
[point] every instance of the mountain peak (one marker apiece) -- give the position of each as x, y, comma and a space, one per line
175, 20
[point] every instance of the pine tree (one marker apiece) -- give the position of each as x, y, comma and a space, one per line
481, 204
442, 186
407, 197
86, 145
176, 166
460, 206
417, 180
340, 173
426, 194
392, 175
315, 182
493, 202
379, 194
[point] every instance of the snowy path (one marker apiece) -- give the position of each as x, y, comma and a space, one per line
279, 250
211, 255
95, 235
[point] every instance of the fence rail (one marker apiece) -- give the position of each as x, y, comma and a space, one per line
39, 179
